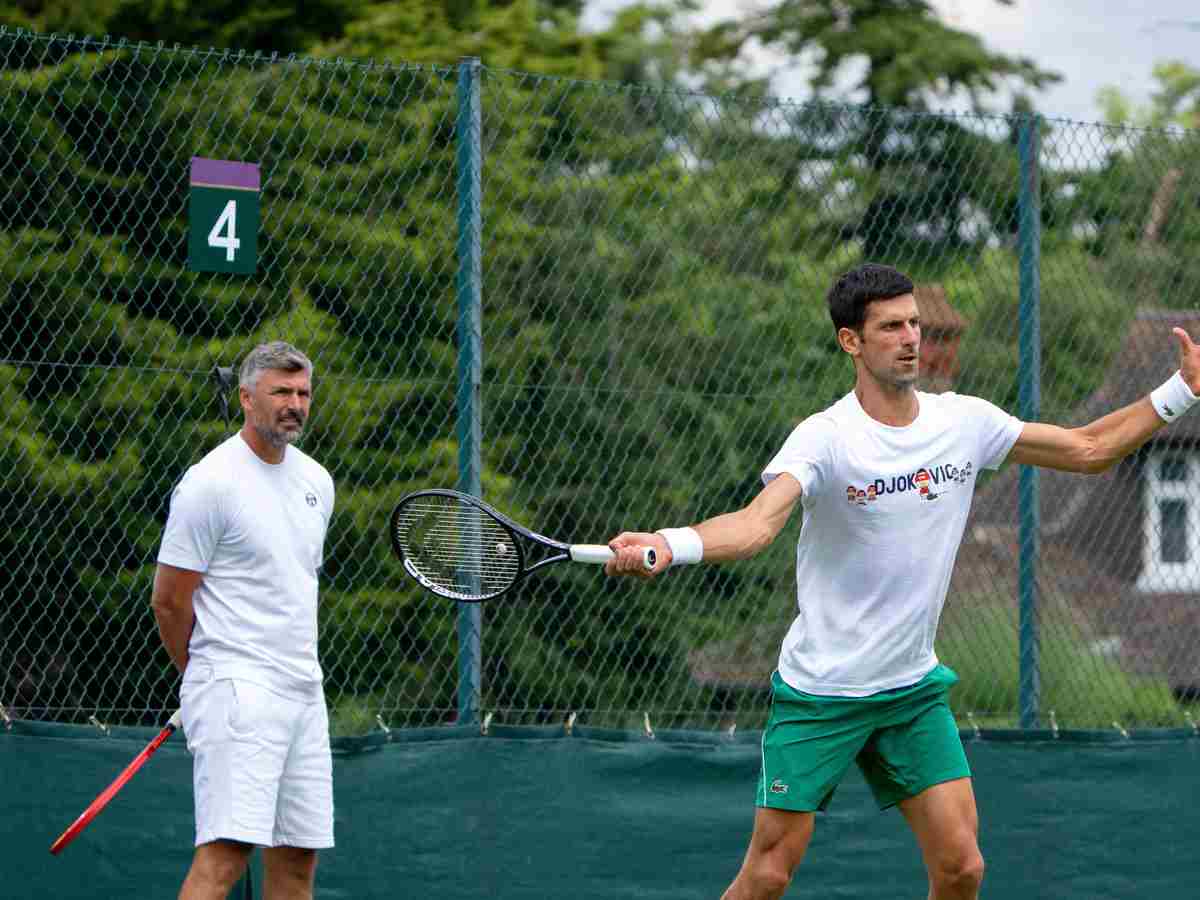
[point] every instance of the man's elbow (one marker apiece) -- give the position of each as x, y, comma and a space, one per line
761, 536
1088, 456
167, 608
161, 607
172, 592
1093, 461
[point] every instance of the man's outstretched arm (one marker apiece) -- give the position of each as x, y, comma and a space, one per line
734, 535
1101, 444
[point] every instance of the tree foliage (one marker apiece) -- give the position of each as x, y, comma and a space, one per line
281, 26
1176, 103
892, 53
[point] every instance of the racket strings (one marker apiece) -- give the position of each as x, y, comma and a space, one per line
457, 547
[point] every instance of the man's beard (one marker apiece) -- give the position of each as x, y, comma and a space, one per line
278, 437
895, 380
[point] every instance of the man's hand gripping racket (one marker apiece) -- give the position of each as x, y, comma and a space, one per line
629, 546
95, 807
458, 547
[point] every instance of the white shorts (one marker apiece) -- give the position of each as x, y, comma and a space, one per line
262, 769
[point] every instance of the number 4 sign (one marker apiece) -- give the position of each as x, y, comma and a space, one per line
223, 216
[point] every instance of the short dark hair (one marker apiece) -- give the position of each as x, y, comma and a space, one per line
852, 292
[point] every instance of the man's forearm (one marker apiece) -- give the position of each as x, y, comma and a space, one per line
173, 611
733, 536
1121, 432
749, 531
175, 630
175, 621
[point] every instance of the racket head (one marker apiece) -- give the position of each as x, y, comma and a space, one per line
456, 546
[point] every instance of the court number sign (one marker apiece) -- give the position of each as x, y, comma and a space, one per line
223, 216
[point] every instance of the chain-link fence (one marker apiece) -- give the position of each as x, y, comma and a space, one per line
652, 267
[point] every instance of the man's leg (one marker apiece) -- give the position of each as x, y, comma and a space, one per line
216, 867
776, 847
944, 819
288, 873
304, 810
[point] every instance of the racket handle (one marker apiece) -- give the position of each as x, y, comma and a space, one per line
599, 554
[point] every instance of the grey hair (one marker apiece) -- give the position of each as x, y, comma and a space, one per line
278, 355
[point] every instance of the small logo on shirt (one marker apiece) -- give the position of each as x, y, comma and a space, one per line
310, 498
922, 481
778, 787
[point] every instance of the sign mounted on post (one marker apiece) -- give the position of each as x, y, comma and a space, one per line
223, 216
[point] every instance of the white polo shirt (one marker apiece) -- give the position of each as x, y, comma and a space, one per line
884, 513
257, 532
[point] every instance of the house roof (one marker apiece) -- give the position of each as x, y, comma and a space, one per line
1148, 356
937, 315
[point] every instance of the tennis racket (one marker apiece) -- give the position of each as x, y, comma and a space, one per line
109, 792
458, 547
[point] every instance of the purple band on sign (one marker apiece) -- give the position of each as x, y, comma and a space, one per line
223, 173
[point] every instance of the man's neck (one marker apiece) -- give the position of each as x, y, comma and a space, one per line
887, 404
264, 451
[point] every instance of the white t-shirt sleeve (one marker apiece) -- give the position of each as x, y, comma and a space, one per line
995, 430
328, 490
805, 455
330, 495
194, 525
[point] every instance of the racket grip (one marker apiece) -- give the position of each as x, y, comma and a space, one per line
599, 554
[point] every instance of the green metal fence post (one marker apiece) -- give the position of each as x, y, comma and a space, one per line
468, 132
1029, 240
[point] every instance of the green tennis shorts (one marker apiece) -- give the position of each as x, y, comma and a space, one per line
904, 741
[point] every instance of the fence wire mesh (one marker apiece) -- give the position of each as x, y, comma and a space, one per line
653, 271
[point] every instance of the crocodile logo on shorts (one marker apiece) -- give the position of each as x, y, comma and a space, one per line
778, 787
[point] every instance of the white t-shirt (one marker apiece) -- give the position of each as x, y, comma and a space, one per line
884, 512
257, 532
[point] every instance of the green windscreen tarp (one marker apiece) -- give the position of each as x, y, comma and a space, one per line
535, 813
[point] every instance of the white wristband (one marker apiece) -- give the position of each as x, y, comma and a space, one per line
685, 543
1172, 398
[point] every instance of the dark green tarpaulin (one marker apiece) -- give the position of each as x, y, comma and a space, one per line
533, 813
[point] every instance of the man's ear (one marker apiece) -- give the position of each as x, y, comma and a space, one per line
849, 340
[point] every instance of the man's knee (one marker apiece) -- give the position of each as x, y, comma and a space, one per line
777, 846
961, 871
772, 867
972, 871
763, 876
772, 875
292, 864
220, 863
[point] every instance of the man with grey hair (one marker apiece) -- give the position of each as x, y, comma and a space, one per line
235, 598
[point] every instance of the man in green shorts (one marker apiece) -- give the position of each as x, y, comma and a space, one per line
885, 477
